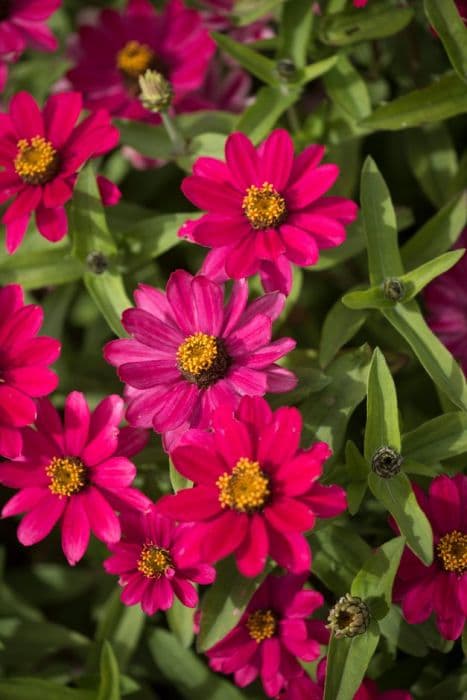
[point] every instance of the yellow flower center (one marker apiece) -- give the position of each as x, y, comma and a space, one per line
135, 58
452, 551
261, 625
197, 353
36, 161
263, 206
246, 489
67, 476
154, 561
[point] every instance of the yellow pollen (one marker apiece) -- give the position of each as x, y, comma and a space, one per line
197, 353
36, 160
135, 58
452, 550
154, 561
246, 489
261, 625
263, 206
67, 476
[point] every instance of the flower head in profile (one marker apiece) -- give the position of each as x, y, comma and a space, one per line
273, 633
77, 472
41, 153
442, 587
189, 353
24, 366
256, 492
155, 563
265, 209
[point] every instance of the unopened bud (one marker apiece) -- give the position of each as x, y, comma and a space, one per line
386, 462
349, 617
393, 289
286, 68
97, 262
156, 92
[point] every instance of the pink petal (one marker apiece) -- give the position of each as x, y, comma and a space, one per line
311, 185
40, 521
198, 463
179, 403
298, 474
116, 472
52, 223
417, 604
26, 116
306, 160
250, 336
26, 499
149, 330
289, 550
326, 501
207, 298
276, 159
280, 440
242, 160
61, 113
215, 230
109, 193
131, 441
134, 589
270, 353
11, 442
209, 195
223, 535
33, 381
15, 231
300, 246
235, 306
16, 409
76, 419
277, 275
75, 529
445, 504
163, 593
24, 203
102, 519
146, 374
252, 554
198, 503
247, 381
185, 591
289, 515
56, 193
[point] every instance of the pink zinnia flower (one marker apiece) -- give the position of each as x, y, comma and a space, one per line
77, 471
41, 153
120, 47
442, 587
360, 3
24, 372
273, 632
155, 563
446, 304
217, 16
265, 208
189, 353
256, 492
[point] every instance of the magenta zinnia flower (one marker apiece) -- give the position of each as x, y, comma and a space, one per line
77, 471
266, 209
24, 372
189, 353
255, 491
442, 587
41, 153
112, 54
154, 563
273, 632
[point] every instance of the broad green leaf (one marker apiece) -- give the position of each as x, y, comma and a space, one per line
374, 581
35, 689
110, 296
377, 21
347, 89
181, 622
340, 326
409, 638
437, 439
448, 23
28, 643
248, 11
442, 99
225, 601
315, 70
54, 266
357, 469
151, 237
433, 159
433, 356
270, 103
294, 31
348, 660
455, 686
382, 422
188, 673
109, 686
398, 498
255, 63
380, 225
206, 145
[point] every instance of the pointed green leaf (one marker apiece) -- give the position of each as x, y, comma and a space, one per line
374, 581
315, 70
433, 159
340, 326
53, 266
357, 471
437, 439
446, 20
382, 423
255, 63
377, 21
294, 31
415, 280
248, 11
181, 622
372, 298
347, 89
348, 660
270, 103
37, 689
109, 686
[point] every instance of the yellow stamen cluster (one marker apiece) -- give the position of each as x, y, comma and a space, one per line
197, 353
134, 59
67, 476
36, 160
263, 206
452, 551
246, 489
261, 625
153, 561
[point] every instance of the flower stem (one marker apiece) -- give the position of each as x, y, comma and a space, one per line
177, 139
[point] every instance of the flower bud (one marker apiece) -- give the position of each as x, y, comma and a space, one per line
386, 462
97, 262
393, 289
156, 92
286, 68
349, 617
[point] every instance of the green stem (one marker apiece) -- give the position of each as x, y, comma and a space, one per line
177, 139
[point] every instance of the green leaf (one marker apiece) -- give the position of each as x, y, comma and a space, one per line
177, 480
357, 470
255, 63
415, 280
348, 660
442, 99
340, 326
398, 498
445, 18
294, 31
372, 298
270, 103
153, 236
440, 438
36, 689
28, 643
433, 159
382, 423
109, 687
410, 638
374, 581
455, 686
181, 622
315, 70
248, 11
32, 270
347, 89
377, 21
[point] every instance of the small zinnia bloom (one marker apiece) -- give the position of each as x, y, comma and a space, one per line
272, 634
41, 153
24, 371
77, 471
442, 587
189, 353
265, 208
155, 563
256, 492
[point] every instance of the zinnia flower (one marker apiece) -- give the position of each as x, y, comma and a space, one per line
155, 563
265, 208
217, 16
273, 632
41, 152
24, 372
120, 47
360, 3
256, 491
77, 471
442, 587
189, 354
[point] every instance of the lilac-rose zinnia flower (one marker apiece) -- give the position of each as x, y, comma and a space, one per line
272, 634
189, 353
442, 587
77, 471
41, 153
24, 371
266, 209
256, 492
155, 563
